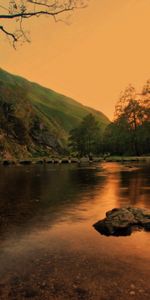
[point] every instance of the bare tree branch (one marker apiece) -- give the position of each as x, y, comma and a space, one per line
43, 4
37, 13
9, 34
17, 10
3, 7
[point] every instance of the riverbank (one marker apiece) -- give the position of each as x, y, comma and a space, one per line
82, 160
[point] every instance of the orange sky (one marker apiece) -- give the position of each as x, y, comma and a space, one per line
106, 47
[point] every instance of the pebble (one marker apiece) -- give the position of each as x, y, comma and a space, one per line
141, 291
43, 284
132, 286
132, 293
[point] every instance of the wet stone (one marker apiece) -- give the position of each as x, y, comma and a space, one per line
123, 221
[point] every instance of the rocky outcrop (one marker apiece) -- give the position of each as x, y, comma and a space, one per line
123, 221
36, 121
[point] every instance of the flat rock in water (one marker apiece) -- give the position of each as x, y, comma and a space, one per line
123, 221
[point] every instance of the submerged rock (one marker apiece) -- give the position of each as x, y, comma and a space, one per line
123, 221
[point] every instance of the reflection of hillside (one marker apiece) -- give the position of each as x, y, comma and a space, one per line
133, 187
38, 194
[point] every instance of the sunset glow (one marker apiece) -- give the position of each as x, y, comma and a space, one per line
105, 48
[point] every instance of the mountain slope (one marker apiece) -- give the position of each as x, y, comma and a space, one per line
34, 120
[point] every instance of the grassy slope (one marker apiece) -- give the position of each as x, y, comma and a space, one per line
58, 112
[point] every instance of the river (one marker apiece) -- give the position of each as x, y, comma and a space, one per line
49, 249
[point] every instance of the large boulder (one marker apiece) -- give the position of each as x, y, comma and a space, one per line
122, 221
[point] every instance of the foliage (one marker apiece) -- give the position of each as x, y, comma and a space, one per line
34, 119
86, 138
130, 131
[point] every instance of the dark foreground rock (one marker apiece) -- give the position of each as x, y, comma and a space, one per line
123, 221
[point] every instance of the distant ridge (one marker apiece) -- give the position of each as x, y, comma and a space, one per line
34, 120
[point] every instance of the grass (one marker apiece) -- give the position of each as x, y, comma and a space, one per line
56, 112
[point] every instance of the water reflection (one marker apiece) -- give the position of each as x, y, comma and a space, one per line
38, 194
133, 188
48, 247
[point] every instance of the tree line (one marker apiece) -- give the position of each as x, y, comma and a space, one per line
128, 134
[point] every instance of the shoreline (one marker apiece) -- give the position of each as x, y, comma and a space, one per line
72, 160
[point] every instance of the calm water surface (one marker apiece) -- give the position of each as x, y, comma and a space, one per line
48, 247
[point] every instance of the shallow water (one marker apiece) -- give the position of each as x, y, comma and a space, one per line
48, 247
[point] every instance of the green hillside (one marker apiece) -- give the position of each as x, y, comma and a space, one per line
35, 120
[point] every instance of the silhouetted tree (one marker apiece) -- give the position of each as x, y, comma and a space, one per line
86, 138
129, 133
